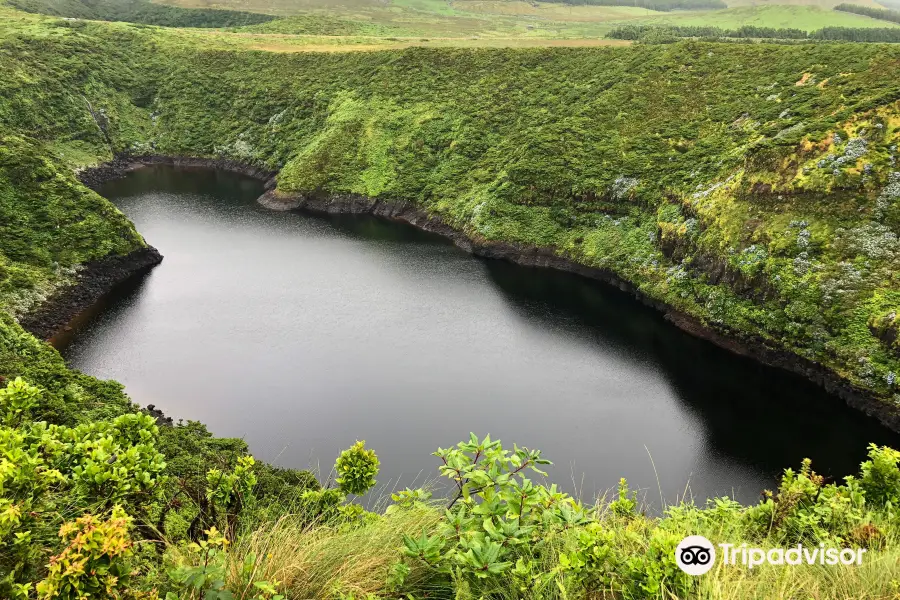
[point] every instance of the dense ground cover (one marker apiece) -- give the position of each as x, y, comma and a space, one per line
751, 186
778, 16
662, 34
365, 23
517, 19
141, 11
661, 193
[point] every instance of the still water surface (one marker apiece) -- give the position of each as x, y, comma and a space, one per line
302, 334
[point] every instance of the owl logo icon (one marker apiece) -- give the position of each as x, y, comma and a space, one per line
695, 555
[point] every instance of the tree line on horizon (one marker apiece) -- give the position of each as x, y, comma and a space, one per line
670, 33
882, 14
660, 5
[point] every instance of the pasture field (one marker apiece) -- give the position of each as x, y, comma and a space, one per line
514, 20
806, 17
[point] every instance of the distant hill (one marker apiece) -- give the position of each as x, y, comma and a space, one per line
807, 18
883, 14
661, 5
141, 11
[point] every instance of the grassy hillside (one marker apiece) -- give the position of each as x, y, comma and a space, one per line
438, 22
661, 192
882, 14
523, 20
753, 187
552, 11
808, 18
60, 111
653, 162
139, 11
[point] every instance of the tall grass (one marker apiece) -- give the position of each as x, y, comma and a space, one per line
320, 561
877, 578
312, 561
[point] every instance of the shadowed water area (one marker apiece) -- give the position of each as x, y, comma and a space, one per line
303, 333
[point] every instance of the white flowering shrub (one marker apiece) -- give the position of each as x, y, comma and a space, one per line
752, 259
240, 149
889, 195
622, 187
842, 283
870, 239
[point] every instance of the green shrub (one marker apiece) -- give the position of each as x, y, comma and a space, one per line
16, 401
497, 517
356, 469
880, 477
95, 561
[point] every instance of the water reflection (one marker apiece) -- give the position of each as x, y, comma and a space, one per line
768, 425
304, 333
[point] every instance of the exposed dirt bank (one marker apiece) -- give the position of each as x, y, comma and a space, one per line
93, 177
95, 280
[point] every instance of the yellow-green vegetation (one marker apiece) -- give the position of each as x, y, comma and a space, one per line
362, 24
751, 187
518, 19
553, 11
92, 512
777, 16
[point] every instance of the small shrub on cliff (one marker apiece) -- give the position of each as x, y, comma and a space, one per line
230, 493
117, 461
17, 400
805, 508
880, 477
498, 519
95, 561
356, 468
637, 563
52, 473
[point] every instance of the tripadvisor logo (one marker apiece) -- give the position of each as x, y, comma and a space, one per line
696, 555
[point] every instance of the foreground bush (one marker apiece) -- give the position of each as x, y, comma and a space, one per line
79, 508
498, 534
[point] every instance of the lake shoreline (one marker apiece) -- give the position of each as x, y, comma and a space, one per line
529, 256
95, 280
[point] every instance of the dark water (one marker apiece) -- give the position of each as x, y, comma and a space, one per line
302, 334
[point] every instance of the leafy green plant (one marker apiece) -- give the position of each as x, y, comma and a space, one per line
95, 562
16, 401
229, 493
200, 573
201, 570
805, 508
356, 469
409, 499
880, 477
625, 504
631, 562
497, 515
50, 473
116, 461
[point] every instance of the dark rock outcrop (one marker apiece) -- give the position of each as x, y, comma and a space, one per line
95, 280
93, 177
